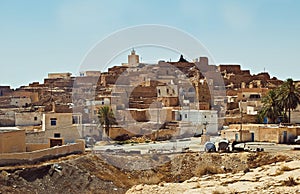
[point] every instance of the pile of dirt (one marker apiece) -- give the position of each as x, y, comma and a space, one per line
91, 173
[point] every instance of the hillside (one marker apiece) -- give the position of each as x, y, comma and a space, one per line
90, 173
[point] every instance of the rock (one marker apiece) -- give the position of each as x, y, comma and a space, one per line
139, 187
194, 179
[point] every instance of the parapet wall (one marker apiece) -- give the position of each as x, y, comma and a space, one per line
41, 155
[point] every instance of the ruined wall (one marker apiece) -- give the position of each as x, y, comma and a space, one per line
5, 90
235, 69
169, 101
139, 115
59, 75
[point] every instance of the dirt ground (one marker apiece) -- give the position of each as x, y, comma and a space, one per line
91, 173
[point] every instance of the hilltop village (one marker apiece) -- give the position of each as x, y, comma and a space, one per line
154, 101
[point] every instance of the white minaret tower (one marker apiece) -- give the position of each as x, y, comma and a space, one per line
133, 59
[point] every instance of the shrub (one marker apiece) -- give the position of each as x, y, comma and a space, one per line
289, 182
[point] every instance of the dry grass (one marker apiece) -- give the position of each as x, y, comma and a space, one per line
285, 168
289, 182
260, 158
282, 169
216, 192
203, 170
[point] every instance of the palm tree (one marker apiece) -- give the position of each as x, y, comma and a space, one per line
106, 118
271, 107
289, 96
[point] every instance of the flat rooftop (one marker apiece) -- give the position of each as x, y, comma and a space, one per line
8, 129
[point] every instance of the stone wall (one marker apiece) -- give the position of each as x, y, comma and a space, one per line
236, 135
28, 118
70, 134
40, 155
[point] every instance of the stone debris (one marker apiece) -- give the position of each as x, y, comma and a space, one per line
257, 180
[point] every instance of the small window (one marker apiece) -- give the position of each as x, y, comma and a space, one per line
205, 116
75, 120
35, 118
56, 135
185, 116
53, 121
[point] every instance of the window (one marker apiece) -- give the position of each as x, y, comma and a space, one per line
75, 119
185, 116
53, 121
35, 118
56, 135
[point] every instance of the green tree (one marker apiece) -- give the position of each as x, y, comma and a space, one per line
106, 118
289, 96
271, 108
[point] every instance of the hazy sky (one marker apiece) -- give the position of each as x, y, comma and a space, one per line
38, 37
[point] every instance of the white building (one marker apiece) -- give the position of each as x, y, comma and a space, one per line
167, 91
201, 119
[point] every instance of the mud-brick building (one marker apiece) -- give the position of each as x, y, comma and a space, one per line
262, 133
12, 140
64, 126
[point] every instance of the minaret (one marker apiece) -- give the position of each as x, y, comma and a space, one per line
133, 59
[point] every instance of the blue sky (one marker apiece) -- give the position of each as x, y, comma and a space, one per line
37, 37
